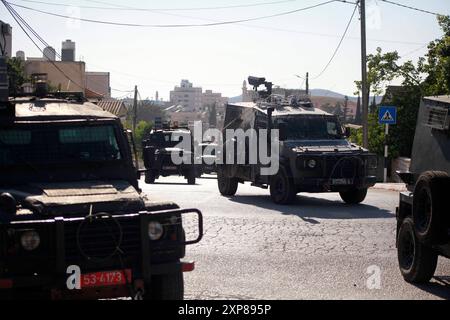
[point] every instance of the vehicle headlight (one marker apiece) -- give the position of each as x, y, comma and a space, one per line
155, 230
30, 240
311, 163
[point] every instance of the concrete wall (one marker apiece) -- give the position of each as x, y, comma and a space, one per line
99, 82
75, 70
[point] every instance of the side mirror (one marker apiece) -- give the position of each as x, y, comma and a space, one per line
282, 131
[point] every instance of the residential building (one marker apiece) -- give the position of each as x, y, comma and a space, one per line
66, 75
68, 50
116, 107
99, 82
187, 95
210, 98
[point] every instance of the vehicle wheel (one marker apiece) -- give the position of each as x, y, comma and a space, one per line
150, 177
417, 261
353, 195
227, 186
429, 206
166, 287
191, 176
282, 188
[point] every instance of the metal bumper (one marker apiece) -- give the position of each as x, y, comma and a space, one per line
327, 185
55, 275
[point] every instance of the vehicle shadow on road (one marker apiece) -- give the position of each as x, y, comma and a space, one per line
307, 208
439, 287
174, 183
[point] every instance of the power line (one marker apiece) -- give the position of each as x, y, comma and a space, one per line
20, 20
11, 10
288, 30
174, 25
338, 46
128, 8
412, 8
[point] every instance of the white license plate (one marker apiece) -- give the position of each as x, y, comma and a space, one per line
341, 181
169, 168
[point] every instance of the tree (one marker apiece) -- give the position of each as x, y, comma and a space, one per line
436, 64
16, 74
373, 105
430, 77
143, 128
381, 68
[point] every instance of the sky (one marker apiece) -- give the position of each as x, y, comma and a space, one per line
220, 58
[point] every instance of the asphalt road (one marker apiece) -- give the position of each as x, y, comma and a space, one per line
317, 248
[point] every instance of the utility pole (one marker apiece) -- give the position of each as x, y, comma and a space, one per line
135, 110
364, 87
307, 83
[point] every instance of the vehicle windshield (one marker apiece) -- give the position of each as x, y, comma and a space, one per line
58, 144
312, 127
164, 140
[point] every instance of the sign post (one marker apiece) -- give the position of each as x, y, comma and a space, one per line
386, 115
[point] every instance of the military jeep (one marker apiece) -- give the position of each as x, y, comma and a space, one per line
207, 160
314, 153
423, 219
73, 221
158, 150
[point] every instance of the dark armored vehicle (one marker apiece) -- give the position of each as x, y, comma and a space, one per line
208, 157
423, 219
73, 222
158, 150
314, 154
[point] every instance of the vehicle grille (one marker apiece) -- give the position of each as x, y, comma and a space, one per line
344, 167
98, 240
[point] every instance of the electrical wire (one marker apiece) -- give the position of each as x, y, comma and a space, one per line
338, 46
412, 8
174, 25
38, 47
47, 45
128, 8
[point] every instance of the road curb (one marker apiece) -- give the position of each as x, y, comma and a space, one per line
390, 186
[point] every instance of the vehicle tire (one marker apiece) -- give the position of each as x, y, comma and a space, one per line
282, 188
166, 287
429, 206
191, 176
227, 186
416, 260
353, 195
150, 177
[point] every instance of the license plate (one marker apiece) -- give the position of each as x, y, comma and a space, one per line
169, 168
105, 278
341, 181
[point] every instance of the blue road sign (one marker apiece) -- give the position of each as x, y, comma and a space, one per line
387, 115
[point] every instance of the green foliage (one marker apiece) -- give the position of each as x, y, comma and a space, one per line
436, 65
430, 77
16, 74
376, 137
143, 128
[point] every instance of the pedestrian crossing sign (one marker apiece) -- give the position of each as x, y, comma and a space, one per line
387, 115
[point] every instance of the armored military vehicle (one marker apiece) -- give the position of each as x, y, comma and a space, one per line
423, 219
158, 149
207, 161
73, 221
314, 153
